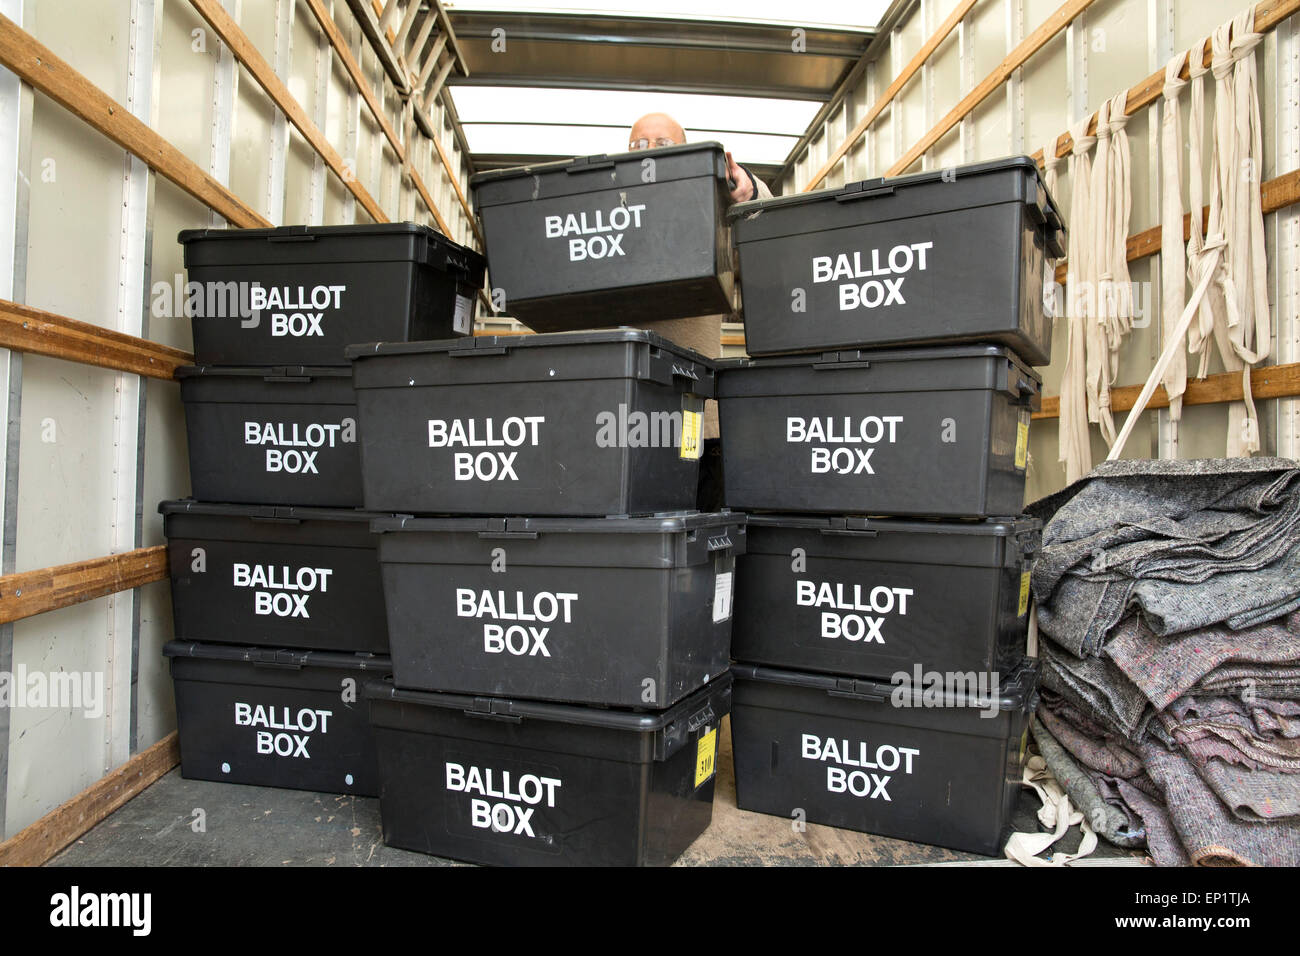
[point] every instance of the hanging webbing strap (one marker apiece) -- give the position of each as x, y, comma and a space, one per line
1098, 344
1075, 444
1051, 297
1198, 335
1173, 260
1228, 267
1238, 159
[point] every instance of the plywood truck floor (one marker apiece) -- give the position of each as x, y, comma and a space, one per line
260, 826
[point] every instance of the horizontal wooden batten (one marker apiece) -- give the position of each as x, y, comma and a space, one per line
1053, 25
38, 843
1270, 381
1275, 194
1267, 16
36, 65
29, 593
423, 190
25, 329
332, 33
353, 69
460, 193
895, 87
242, 47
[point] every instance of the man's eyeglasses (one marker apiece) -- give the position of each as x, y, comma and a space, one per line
644, 143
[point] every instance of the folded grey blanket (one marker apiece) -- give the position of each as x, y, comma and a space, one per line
1099, 688
1111, 818
1252, 795
1208, 832
1188, 543
1166, 668
1222, 727
1103, 754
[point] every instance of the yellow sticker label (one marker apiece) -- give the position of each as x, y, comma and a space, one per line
706, 756
1024, 745
692, 429
1024, 594
1022, 443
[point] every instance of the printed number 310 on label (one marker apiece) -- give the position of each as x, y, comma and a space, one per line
706, 755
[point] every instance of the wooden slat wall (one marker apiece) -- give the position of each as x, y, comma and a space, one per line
1268, 15
25, 329
39, 843
261, 71
1270, 381
1054, 24
48, 589
37, 66
891, 91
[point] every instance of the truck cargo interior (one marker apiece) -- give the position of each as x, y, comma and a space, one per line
604, 434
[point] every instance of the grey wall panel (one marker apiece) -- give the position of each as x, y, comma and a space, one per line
298, 172
989, 32
992, 129
1203, 431
156, 716
250, 148
187, 57
1043, 80
336, 202
1037, 11
302, 84
945, 79
166, 476
66, 458
1197, 20
253, 133
1118, 57
57, 751
911, 101
174, 210
1044, 473
88, 34
75, 210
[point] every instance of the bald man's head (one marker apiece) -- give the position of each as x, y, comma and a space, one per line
654, 126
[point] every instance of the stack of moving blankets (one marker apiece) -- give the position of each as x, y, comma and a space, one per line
1168, 600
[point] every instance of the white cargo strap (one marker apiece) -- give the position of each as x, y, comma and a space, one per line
1214, 309
1199, 334
1075, 446
1112, 229
1233, 306
1098, 349
1173, 261
1051, 291
1113, 315
1056, 813
1208, 265
1235, 194
1031, 637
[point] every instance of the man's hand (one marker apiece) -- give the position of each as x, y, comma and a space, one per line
744, 189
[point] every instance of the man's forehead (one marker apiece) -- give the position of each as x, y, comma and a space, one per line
657, 124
